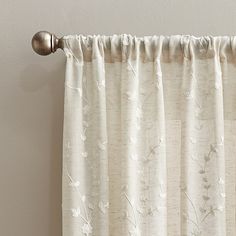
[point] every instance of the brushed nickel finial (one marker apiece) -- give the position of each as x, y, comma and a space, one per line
45, 43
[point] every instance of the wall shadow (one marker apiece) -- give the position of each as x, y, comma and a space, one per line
34, 78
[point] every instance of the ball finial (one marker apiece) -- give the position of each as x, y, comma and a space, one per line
44, 43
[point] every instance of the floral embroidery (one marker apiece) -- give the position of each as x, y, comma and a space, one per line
188, 95
84, 154
77, 89
102, 145
132, 96
101, 84
103, 206
83, 137
206, 209
138, 123
75, 212
87, 229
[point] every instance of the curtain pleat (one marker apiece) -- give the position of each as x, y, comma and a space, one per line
149, 136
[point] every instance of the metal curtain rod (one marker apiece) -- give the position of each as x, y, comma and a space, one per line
45, 43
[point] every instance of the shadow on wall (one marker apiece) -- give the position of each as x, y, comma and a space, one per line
49, 74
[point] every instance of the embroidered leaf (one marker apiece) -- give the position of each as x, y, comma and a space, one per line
212, 212
143, 198
205, 179
206, 158
207, 186
202, 210
86, 124
90, 206
206, 198
213, 148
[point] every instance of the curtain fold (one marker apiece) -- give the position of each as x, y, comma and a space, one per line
149, 136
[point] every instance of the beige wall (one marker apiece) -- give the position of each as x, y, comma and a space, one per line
31, 90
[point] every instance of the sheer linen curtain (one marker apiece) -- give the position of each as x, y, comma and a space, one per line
149, 136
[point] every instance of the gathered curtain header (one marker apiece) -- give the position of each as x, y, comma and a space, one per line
149, 48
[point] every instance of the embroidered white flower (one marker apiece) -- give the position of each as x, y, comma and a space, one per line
221, 141
188, 95
75, 212
220, 208
84, 154
222, 195
101, 84
193, 140
103, 206
83, 198
221, 181
134, 157
87, 229
133, 140
102, 145
83, 137
135, 232
132, 96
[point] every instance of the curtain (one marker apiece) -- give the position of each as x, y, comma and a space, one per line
149, 142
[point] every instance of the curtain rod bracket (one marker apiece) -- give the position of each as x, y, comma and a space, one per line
45, 43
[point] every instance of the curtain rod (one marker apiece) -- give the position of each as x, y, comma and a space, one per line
45, 43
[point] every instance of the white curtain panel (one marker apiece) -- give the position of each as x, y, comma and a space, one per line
149, 136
